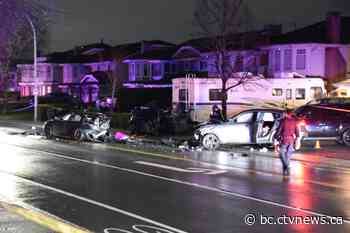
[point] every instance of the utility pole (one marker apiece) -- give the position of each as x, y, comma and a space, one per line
35, 73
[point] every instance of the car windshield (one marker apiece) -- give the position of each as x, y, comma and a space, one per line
245, 117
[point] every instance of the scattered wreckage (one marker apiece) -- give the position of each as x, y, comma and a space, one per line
94, 127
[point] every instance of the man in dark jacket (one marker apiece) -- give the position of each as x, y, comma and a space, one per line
286, 135
216, 115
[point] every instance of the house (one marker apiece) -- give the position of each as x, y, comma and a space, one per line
86, 72
318, 50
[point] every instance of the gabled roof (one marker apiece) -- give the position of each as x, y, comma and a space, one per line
315, 33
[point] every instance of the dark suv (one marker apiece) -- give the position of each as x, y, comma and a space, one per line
325, 120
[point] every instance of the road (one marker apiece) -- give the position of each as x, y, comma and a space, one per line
106, 189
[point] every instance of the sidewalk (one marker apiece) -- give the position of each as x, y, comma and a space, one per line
10, 222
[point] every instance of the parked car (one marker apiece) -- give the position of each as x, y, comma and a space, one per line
79, 126
325, 121
343, 102
250, 127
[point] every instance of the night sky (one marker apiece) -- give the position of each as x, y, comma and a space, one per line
122, 21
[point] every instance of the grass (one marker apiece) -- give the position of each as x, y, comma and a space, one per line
18, 116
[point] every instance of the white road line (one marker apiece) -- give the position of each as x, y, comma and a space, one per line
196, 185
147, 220
169, 167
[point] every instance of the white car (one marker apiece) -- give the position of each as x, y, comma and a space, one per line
255, 126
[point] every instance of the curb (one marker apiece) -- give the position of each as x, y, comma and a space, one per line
44, 219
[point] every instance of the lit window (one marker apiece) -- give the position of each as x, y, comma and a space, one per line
316, 92
288, 60
49, 89
183, 95
277, 92
300, 93
156, 70
301, 59
277, 60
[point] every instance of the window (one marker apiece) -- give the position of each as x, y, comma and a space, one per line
139, 70
300, 94
316, 92
156, 70
238, 65
301, 59
203, 65
132, 70
146, 70
214, 94
245, 117
277, 92
183, 95
289, 94
277, 60
288, 60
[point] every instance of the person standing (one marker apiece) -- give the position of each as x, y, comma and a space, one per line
216, 115
286, 135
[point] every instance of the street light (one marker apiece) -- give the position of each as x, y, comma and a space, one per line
35, 70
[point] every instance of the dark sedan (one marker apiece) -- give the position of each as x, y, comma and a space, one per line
79, 126
325, 122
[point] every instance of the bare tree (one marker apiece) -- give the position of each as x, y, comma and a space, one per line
221, 23
16, 34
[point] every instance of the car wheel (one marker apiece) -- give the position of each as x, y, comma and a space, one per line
210, 142
48, 132
346, 137
339, 141
78, 136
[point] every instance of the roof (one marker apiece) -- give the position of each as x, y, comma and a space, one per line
239, 41
154, 54
315, 33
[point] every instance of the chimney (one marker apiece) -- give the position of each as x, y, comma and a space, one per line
333, 27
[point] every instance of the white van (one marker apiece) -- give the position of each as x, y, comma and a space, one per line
198, 95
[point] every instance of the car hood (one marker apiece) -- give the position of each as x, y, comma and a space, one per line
208, 128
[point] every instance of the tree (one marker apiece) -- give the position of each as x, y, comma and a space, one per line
221, 23
16, 33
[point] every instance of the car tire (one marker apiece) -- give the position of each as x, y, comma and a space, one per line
78, 135
346, 137
48, 132
210, 142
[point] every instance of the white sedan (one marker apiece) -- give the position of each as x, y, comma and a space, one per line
255, 126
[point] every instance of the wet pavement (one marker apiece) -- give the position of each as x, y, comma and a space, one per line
14, 223
117, 189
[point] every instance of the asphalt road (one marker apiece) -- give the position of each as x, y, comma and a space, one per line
109, 190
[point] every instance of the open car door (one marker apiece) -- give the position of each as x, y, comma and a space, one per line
267, 124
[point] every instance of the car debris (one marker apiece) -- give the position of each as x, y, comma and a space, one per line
94, 127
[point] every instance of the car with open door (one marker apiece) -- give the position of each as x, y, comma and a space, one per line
250, 127
79, 126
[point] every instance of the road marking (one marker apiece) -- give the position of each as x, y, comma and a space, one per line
208, 188
189, 170
115, 209
295, 179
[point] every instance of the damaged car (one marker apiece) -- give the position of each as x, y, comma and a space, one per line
250, 127
79, 126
